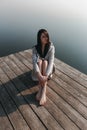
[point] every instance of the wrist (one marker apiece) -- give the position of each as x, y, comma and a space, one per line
46, 76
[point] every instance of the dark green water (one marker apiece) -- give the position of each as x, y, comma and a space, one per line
19, 23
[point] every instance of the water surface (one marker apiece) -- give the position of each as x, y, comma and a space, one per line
66, 23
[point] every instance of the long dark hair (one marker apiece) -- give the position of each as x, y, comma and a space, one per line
39, 44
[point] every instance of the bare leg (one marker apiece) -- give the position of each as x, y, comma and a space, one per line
43, 94
38, 96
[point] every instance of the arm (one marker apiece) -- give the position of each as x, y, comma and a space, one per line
34, 61
51, 61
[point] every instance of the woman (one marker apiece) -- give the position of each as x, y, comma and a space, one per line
43, 63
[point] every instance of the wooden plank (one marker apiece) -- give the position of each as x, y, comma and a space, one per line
59, 98
67, 94
73, 73
27, 54
18, 63
24, 61
22, 105
72, 69
68, 110
4, 121
71, 82
78, 106
60, 116
43, 114
55, 111
1, 59
11, 110
75, 115
77, 94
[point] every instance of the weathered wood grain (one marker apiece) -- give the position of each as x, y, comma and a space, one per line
66, 107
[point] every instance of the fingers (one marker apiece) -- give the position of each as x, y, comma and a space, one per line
42, 80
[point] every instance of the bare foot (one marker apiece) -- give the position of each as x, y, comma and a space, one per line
38, 96
43, 96
43, 100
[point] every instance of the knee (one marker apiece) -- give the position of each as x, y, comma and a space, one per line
45, 62
40, 62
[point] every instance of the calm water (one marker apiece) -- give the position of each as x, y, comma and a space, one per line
67, 26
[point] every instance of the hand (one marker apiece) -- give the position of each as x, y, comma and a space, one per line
45, 78
42, 79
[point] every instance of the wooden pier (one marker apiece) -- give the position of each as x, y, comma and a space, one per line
66, 106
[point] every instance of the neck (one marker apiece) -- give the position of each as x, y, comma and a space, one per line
43, 45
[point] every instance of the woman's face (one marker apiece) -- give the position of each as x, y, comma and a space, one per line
44, 38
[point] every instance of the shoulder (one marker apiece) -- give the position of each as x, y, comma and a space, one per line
34, 51
52, 47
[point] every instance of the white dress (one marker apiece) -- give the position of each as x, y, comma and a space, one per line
49, 57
